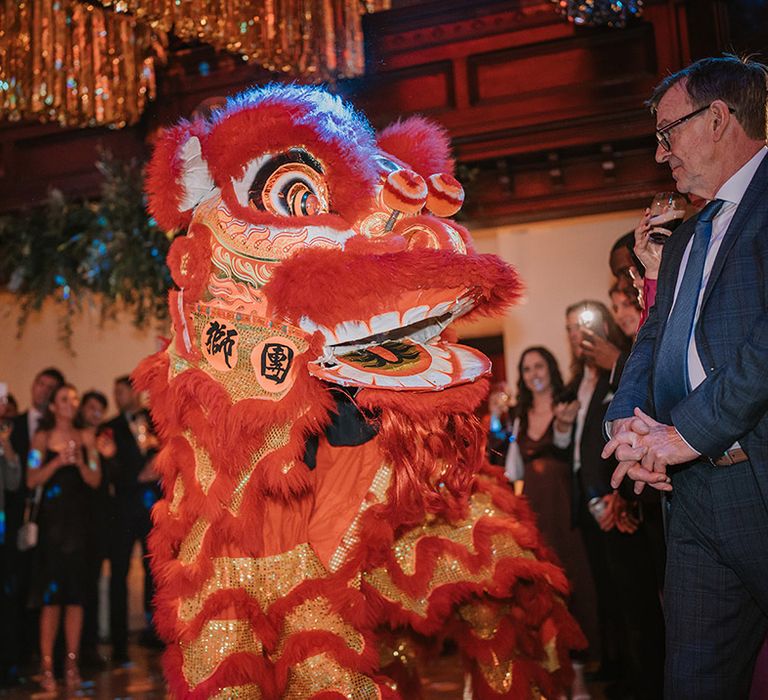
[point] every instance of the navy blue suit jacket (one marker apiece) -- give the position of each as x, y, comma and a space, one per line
731, 337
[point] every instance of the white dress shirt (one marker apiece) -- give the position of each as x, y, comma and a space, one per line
33, 421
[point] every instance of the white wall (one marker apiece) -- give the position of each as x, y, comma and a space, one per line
560, 261
100, 353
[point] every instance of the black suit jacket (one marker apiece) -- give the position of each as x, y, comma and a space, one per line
15, 500
127, 464
595, 472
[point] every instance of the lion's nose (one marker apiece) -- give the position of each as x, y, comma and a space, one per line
428, 232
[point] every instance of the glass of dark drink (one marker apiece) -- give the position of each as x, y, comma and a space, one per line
667, 213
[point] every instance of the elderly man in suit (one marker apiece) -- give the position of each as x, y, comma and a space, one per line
691, 414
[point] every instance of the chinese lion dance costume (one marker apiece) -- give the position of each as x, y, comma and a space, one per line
326, 510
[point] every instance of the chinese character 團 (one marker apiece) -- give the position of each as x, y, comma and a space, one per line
276, 361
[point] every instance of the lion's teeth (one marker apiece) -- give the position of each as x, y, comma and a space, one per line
417, 313
385, 322
348, 331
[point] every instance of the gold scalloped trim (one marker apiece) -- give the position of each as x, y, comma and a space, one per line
250, 691
265, 579
316, 614
217, 640
322, 673
193, 542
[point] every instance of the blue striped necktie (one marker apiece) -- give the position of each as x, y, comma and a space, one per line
671, 383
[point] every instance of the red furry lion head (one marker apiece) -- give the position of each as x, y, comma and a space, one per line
296, 213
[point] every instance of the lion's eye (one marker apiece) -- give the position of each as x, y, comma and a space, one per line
287, 184
293, 189
302, 200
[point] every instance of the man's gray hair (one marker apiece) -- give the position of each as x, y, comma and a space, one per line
742, 83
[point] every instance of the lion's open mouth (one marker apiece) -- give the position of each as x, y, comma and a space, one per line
401, 349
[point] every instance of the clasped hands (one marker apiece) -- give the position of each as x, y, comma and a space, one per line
644, 449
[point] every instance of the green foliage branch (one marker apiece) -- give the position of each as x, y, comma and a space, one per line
109, 254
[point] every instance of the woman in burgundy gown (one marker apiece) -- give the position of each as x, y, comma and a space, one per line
547, 486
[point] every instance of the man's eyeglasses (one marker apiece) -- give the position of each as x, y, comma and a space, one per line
662, 135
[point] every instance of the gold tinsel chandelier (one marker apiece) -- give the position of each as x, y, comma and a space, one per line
86, 63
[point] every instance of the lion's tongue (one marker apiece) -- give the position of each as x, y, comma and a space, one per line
404, 365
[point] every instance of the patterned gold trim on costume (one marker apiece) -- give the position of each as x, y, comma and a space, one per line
498, 675
462, 533
178, 494
276, 437
204, 471
321, 672
448, 568
238, 692
316, 615
218, 639
191, 544
483, 617
265, 579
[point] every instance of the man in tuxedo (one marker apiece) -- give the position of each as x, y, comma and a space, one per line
17, 646
690, 417
135, 491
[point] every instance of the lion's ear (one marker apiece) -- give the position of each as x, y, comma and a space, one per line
424, 145
178, 178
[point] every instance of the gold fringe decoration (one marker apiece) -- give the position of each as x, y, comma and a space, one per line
75, 63
316, 39
85, 64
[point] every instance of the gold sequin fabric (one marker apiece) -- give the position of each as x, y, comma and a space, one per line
276, 437
217, 640
322, 673
190, 547
177, 495
265, 579
204, 472
448, 568
316, 614
499, 674
250, 691
484, 618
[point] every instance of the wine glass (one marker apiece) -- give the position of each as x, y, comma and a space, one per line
667, 213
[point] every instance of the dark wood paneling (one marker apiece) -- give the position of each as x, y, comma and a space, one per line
513, 83
425, 89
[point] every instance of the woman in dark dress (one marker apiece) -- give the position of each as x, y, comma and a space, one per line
64, 464
547, 486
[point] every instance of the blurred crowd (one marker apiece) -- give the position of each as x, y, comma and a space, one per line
547, 433
76, 491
